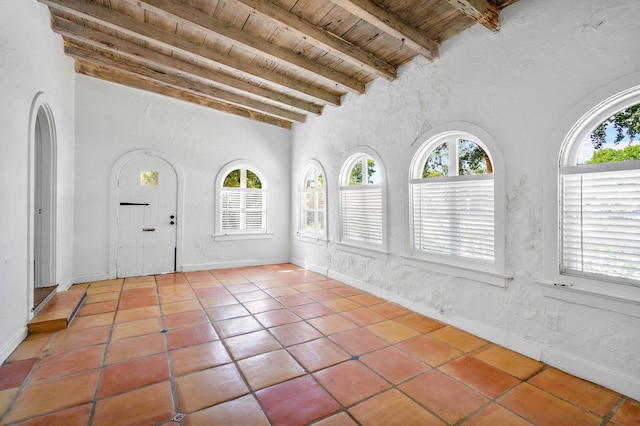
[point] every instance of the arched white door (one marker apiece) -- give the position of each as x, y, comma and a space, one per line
44, 203
146, 219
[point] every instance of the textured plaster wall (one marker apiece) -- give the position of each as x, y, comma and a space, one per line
113, 120
516, 85
47, 74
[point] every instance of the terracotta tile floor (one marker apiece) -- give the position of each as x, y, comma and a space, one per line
283, 346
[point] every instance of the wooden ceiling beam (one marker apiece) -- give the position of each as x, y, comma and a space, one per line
480, 11
320, 38
135, 52
187, 15
135, 82
371, 12
107, 60
155, 37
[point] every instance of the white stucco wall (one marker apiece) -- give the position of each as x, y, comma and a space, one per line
32, 65
113, 120
516, 85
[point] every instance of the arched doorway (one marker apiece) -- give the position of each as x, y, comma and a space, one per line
146, 215
43, 211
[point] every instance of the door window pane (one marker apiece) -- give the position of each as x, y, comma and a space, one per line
148, 178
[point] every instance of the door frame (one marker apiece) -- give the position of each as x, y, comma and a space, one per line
46, 239
113, 206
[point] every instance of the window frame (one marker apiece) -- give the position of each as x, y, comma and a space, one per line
303, 231
452, 140
484, 271
243, 233
581, 119
567, 165
365, 248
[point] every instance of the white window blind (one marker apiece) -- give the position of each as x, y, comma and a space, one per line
362, 213
231, 210
454, 216
255, 212
601, 222
243, 210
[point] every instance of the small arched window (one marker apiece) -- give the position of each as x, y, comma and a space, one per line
452, 197
313, 195
600, 196
361, 201
243, 201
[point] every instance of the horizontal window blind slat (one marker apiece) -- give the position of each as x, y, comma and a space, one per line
361, 211
454, 217
601, 223
243, 209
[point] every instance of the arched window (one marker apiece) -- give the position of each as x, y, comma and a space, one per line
452, 197
361, 201
313, 196
600, 195
243, 200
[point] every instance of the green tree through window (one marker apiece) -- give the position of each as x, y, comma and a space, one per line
232, 180
625, 123
356, 172
612, 155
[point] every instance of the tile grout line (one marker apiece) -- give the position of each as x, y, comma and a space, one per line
94, 403
25, 381
472, 353
254, 392
226, 348
307, 372
286, 349
396, 386
467, 353
613, 410
167, 353
343, 408
43, 354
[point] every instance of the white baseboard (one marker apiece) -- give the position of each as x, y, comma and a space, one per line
11, 344
313, 268
231, 264
596, 373
65, 286
190, 268
79, 279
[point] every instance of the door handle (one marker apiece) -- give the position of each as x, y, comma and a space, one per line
134, 204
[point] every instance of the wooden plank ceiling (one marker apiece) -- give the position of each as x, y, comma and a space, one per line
274, 61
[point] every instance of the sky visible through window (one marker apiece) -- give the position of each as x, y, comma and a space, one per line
615, 139
586, 149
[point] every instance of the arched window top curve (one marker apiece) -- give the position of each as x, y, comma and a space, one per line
452, 154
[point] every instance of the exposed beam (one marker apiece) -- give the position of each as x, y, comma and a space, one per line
216, 29
117, 77
135, 52
372, 13
480, 11
155, 37
320, 38
106, 60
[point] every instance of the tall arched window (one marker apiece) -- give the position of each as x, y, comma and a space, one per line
600, 195
452, 197
313, 195
242, 200
362, 201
